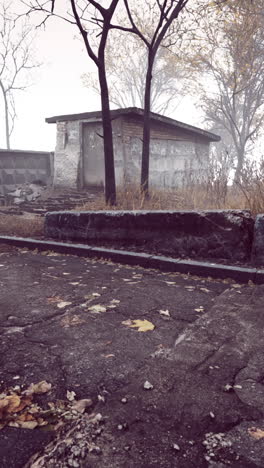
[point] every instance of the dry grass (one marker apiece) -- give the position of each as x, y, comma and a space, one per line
12, 225
249, 195
194, 197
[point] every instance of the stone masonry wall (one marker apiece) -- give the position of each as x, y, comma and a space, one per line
197, 234
79, 153
21, 167
67, 154
170, 160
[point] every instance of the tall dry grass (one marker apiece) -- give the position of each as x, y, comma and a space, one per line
21, 226
194, 197
207, 190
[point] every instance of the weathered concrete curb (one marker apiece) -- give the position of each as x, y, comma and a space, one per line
167, 264
223, 234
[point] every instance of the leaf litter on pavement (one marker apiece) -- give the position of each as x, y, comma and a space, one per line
18, 408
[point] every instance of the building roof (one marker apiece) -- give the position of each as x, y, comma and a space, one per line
139, 113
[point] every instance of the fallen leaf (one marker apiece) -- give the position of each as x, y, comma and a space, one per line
25, 417
70, 321
53, 299
141, 325
256, 433
63, 304
97, 309
166, 313
81, 405
26, 424
13, 424
10, 403
38, 388
26, 401
71, 395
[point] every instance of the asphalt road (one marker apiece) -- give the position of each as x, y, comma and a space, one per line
183, 391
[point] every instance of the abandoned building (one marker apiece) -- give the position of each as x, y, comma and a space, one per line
79, 156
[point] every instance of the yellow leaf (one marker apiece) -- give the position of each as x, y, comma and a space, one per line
25, 417
141, 325
10, 403
26, 401
256, 433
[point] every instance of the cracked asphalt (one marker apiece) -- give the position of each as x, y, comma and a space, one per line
61, 320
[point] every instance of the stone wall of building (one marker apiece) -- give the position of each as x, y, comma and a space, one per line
24, 167
79, 155
67, 154
93, 153
170, 160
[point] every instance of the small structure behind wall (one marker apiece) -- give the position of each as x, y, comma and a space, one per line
19, 167
79, 155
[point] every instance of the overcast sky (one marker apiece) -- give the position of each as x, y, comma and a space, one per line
58, 89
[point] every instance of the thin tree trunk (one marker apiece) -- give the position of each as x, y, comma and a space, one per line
110, 187
6, 115
239, 167
146, 130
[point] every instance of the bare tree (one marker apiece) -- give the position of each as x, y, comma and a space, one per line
126, 66
16, 62
165, 12
229, 59
93, 21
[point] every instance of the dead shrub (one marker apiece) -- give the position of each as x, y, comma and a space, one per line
251, 186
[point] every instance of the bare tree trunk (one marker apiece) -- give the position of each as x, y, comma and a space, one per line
146, 129
240, 165
6, 115
110, 187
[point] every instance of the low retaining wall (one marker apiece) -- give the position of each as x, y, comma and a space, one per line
20, 167
258, 244
197, 234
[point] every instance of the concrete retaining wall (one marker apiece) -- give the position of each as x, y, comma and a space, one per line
204, 234
258, 243
21, 167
